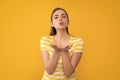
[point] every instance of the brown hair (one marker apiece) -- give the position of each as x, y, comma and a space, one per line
53, 30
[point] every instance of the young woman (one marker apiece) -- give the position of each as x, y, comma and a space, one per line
61, 52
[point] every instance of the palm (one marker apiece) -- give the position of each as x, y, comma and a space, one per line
65, 49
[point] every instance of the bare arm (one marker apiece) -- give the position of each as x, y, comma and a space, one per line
69, 64
50, 64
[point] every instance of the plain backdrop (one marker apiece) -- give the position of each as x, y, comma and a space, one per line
24, 22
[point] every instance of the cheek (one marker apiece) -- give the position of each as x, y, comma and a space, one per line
67, 22
54, 22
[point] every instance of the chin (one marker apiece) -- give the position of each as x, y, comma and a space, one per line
61, 27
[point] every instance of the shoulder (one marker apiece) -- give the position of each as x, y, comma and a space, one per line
77, 39
47, 39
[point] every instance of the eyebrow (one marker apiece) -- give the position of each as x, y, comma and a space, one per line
57, 14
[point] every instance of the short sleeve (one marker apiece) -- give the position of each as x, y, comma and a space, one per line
79, 45
43, 43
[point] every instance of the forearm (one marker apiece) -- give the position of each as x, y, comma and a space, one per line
67, 66
52, 63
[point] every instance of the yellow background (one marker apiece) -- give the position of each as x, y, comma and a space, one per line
24, 22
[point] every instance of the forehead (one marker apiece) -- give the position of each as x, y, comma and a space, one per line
59, 12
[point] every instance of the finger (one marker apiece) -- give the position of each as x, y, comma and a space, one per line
54, 46
70, 45
67, 46
59, 49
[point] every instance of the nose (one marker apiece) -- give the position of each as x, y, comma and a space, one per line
60, 18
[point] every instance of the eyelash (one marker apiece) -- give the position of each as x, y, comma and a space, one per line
57, 17
64, 16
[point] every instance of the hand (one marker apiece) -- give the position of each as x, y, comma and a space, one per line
56, 49
65, 50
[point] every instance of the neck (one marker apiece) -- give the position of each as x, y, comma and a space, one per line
62, 34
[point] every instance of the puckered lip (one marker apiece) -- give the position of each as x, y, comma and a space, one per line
61, 23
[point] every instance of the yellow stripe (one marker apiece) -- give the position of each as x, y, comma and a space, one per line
58, 70
45, 75
59, 62
43, 43
46, 39
73, 40
49, 41
50, 50
79, 49
70, 77
59, 67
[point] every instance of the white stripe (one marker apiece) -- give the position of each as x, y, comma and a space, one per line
79, 46
72, 49
58, 73
49, 39
58, 69
56, 77
59, 64
59, 77
48, 43
47, 47
73, 78
43, 46
81, 42
75, 47
78, 51
76, 40
45, 78
43, 41
60, 61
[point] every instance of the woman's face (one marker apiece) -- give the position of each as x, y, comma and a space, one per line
60, 19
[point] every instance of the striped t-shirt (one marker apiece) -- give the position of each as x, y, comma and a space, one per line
59, 73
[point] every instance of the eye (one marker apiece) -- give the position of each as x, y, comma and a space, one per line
63, 16
55, 17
